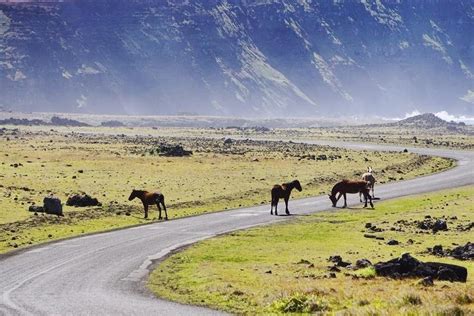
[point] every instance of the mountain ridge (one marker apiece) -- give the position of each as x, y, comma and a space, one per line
257, 58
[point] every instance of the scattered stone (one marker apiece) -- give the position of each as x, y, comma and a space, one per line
52, 205
82, 200
392, 242
36, 209
369, 236
334, 269
408, 267
268, 272
228, 141
368, 225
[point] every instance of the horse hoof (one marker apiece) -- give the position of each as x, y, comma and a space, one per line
166, 219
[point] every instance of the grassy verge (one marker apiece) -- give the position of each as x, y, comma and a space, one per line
284, 267
37, 162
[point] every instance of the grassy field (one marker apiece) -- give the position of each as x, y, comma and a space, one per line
284, 267
108, 163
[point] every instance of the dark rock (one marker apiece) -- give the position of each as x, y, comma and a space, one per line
36, 209
81, 200
368, 225
268, 272
465, 252
369, 236
363, 263
52, 205
338, 261
440, 224
392, 242
409, 267
335, 259
332, 275
437, 250
334, 269
228, 141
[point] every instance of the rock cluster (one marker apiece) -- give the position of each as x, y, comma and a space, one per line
170, 151
465, 252
408, 267
82, 200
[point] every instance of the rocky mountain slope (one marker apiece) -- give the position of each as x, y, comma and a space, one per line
247, 57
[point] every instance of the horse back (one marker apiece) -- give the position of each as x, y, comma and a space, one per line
153, 197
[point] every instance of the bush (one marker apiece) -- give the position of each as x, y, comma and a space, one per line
300, 303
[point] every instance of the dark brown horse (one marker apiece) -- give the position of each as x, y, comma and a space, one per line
283, 192
150, 198
350, 186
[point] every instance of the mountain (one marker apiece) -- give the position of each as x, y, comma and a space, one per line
428, 120
254, 58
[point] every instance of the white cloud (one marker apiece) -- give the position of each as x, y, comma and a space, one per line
469, 97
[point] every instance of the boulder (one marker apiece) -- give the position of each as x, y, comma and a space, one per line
52, 205
408, 267
82, 200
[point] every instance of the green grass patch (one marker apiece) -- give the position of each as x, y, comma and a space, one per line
284, 268
37, 161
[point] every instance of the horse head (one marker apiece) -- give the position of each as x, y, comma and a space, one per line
333, 199
133, 195
370, 170
297, 185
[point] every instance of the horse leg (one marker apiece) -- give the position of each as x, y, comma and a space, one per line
276, 206
373, 191
366, 195
272, 202
360, 196
159, 209
370, 199
164, 207
286, 205
145, 206
345, 200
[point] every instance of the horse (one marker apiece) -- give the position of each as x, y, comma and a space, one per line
283, 192
150, 198
350, 186
369, 177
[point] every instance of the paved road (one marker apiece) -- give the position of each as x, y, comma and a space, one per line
104, 274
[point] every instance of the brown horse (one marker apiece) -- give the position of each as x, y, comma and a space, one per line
350, 186
150, 198
283, 192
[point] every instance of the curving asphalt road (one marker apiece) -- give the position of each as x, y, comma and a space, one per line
104, 274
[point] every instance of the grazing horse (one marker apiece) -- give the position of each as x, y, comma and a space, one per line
369, 177
150, 198
350, 186
283, 192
